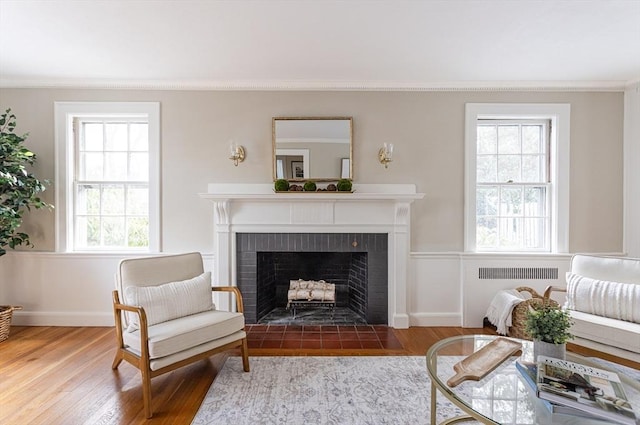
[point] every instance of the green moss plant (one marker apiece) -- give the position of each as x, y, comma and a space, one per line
344, 185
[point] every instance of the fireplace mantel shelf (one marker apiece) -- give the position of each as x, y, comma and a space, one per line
265, 192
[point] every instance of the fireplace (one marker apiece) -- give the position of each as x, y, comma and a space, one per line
312, 223
355, 262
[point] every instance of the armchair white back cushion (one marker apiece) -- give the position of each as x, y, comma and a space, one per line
170, 300
154, 271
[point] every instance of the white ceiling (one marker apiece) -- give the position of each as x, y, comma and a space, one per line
315, 44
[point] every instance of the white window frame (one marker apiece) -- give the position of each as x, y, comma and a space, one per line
64, 113
559, 115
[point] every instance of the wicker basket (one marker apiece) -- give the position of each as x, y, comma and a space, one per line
6, 311
519, 314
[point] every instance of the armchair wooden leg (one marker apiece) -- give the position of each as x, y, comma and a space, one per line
245, 355
146, 393
117, 360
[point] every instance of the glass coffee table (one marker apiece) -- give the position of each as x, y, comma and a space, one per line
501, 397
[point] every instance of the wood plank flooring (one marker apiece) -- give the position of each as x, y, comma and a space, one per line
62, 375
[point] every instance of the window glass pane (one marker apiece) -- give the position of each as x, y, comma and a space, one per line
510, 232
487, 201
534, 232
90, 167
138, 137
92, 140
87, 231
531, 169
113, 231
138, 231
508, 140
508, 168
139, 166
486, 168
511, 200
535, 201
116, 134
113, 199
487, 232
532, 139
88, 199
115, 166
487, 139
137, 200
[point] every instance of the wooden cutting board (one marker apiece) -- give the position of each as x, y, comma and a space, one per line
483, 361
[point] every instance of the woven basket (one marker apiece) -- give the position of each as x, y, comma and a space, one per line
519, 314
6, 311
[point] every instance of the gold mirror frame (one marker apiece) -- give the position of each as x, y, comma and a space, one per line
322, 136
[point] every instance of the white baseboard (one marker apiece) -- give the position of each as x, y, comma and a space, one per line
401, 321
62, 318
435, 319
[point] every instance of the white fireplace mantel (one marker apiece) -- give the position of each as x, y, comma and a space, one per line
371, 208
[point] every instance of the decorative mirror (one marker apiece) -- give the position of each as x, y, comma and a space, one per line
314, 148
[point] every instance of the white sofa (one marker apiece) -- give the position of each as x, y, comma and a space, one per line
603, 298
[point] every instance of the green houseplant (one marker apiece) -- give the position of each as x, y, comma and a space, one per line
19, 188
19, 192
549, 327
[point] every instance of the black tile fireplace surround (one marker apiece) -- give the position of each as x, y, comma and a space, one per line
356, 262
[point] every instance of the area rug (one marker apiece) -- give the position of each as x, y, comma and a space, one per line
322, 390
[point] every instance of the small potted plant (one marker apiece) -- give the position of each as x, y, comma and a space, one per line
548, 326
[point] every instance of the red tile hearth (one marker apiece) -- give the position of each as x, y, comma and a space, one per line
327, 337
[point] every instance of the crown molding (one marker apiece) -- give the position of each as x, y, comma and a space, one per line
290, 85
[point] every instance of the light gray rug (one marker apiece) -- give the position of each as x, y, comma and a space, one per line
321, 390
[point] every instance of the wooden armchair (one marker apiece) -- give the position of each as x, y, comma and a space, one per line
169, 318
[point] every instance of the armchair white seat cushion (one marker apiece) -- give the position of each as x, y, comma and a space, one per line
180, 334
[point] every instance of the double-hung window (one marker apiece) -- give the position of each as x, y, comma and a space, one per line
517, 178
108, 167
512, 185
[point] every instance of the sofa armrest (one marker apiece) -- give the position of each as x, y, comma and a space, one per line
234, 290
550, 289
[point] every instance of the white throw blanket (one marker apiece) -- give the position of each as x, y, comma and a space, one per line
501, 307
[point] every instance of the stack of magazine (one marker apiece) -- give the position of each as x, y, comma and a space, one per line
576, 389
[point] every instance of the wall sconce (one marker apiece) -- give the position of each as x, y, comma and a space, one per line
385, 154
237, 154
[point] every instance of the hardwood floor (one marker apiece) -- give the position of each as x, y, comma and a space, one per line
62, 375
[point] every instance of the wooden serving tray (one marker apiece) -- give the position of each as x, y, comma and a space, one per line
483, 361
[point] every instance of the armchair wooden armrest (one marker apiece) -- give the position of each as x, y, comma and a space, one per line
118, 308
234, 290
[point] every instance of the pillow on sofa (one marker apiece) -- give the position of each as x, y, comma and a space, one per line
170, 300
615, 300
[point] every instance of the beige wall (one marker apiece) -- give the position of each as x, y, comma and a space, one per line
427, 129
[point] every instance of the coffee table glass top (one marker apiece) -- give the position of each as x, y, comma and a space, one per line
501, 397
